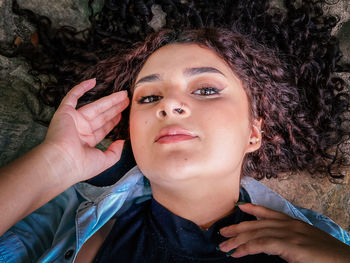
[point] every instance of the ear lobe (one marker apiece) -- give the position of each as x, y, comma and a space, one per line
255, 136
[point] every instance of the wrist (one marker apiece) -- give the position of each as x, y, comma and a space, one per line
59, 167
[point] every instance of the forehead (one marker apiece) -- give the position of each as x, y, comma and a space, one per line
181, 56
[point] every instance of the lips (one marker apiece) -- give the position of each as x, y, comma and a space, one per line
173, 134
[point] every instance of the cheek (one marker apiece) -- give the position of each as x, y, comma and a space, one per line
229, 124
137, 126
140, 133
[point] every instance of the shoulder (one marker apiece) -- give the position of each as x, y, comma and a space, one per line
264, 196
326, 224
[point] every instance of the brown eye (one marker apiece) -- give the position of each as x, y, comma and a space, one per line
207, 91
149, 99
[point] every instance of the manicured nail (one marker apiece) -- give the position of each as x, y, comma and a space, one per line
241, 203
228, 254
218, 233
217, 248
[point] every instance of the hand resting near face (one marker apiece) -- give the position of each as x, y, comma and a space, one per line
67, 155
75, 133
278, 234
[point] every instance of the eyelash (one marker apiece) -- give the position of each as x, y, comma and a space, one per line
204, 91
207, 89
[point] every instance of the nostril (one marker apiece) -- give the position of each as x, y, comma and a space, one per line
162, 113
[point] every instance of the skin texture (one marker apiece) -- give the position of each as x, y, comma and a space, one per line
189, 176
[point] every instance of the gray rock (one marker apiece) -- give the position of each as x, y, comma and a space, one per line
63, 12
316, 193
339, 9
22, 115
344, 38
7, 24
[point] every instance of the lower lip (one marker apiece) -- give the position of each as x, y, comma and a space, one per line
174, 138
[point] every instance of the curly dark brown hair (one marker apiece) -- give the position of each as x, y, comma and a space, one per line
285, 57
290, 141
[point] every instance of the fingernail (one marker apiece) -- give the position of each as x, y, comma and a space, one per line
228, 254
241, 203
218, 232
222, 247
123, 92
217, 248
88, 81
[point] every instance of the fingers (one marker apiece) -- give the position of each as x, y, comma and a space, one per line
101, 119
101, 133
268, 245
249, 226
281, 235
245, 236
262, 212
259, 212
95, 109
270, 236
255, 230
71, 99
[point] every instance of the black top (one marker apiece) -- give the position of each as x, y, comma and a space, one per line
148, 232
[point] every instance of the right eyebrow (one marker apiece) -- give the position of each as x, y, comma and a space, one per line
189, 72
149, 78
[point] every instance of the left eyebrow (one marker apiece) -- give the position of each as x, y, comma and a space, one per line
149, 78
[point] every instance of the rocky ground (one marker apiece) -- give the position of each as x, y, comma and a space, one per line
22, 116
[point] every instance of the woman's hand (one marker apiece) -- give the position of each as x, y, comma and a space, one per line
278, 234
67, 155
74, 133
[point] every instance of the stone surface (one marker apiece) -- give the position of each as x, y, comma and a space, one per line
315, 193
339, 9
344, 38
7, 25
63, 12
22, 116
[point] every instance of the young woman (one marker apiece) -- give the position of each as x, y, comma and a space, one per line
209, 107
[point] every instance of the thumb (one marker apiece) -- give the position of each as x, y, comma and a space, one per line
113, 153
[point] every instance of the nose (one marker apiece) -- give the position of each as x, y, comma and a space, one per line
169, 108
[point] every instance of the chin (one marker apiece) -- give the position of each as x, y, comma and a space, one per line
173, 171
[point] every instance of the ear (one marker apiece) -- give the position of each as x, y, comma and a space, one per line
255, 138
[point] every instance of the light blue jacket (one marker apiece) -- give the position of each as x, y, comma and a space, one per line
56, 231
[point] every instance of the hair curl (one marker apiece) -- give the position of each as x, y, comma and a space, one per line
288, 69
267, 81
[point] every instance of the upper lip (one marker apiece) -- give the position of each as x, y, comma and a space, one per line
173, 130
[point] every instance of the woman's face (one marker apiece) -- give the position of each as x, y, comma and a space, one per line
189, 116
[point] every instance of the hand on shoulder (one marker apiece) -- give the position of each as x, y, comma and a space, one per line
278, 234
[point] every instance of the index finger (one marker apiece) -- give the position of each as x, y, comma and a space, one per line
71, 99
263, 212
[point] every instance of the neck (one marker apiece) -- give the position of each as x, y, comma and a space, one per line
203, 202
